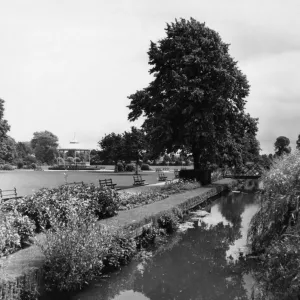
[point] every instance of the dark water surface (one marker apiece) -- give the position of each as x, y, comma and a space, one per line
196, 263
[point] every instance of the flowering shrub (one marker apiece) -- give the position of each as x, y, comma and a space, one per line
180, 186
132, 200
168, 221
74, 253
15, 232
284, 176
216, 175
58, 205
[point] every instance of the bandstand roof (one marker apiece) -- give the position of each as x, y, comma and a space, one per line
73, 145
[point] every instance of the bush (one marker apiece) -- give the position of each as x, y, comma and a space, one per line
49, 206
168, 221
33, 166
216, 175
180, 186
20, 164
130, 168
274, 230
120, 167
6, 167
74, 254
132, 200
147, 237
145, 167
119, 252
203, 176
16, 232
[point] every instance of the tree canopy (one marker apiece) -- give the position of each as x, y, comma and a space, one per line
197, 98
282, 145
298, 143
44, 145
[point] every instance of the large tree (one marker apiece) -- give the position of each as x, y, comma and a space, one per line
112, 148
135, 145
4, 128
282, 145
298, 143
44, 145
196, 101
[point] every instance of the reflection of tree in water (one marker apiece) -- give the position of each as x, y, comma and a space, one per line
232, 207
194, 269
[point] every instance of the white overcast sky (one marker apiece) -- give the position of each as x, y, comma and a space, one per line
68, 65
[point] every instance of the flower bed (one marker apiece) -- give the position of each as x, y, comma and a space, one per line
48, 207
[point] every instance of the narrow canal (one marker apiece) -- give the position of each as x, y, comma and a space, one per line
198, 262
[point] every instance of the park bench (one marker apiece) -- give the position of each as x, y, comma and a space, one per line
162, 176
107, 183
158, 170
8, 195
166, 169
137, 180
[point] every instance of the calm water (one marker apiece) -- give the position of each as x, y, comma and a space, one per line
196, 263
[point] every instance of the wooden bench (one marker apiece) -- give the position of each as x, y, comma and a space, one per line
137, 180
166, 169
162, 176
158, 170
107, 183
6, 195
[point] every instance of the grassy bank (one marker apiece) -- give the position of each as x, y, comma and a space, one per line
274, 232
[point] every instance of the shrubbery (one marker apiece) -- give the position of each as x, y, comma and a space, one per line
16, 232
74, 253
145, 167
7, 167
274, 230
60, 204
168, 221
130, 168
120, 167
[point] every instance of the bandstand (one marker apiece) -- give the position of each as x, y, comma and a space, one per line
81, 155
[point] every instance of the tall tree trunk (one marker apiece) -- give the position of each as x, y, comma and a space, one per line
137, 167
196, 157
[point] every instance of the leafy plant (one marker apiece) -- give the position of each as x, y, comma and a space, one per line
15, 232
145, 167
168, 221
130, 168
74, 253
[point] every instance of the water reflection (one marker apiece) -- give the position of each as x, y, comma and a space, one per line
194, 265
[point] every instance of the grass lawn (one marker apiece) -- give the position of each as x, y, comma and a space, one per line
27, 182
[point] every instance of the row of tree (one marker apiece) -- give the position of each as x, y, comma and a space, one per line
41, 149
195, 105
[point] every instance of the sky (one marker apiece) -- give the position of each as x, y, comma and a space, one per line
68, 66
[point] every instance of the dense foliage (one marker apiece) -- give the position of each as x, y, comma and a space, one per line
16, 232
44, 145
197, 98
282, 146
50, 206
274, 231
